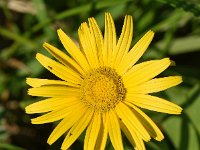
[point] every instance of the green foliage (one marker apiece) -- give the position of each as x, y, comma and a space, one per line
176, 23
9, 147
186, 5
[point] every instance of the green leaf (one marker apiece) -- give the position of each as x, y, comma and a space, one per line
157, 145
77, 10
185, 45
192, 107
42, 15
183, 131
5, 146
183, 4
16, 37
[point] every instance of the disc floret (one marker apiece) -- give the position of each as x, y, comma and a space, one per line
102, 89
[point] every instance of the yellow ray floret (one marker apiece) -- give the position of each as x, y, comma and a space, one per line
114, 130
149, 125
109, 40
131, 121
153, 103
133, 137
77, 129
103, 133
87, 44
66, 124
63, 58
35, 82
92, 132
124, 41
140, 75
98, 39
58, 69
156, 85
54, 91
73, 50
135, 53
50, 104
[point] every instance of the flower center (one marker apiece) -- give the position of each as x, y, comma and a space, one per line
102, 89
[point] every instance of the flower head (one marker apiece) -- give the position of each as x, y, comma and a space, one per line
101, 89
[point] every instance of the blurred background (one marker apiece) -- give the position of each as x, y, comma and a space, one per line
26, 24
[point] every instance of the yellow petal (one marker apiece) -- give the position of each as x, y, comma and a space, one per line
156, 85
63, 58
77, 129
88, 46
114, 130
133, 138
73, 50
59, 70
54, 91
92, 132
98, 37
150, 126
124, 41
131, 121
153, 103
139, 67
55, 115
66, 124
135, 53
142, 74
35, 82
109, 39
103, 134
50, 104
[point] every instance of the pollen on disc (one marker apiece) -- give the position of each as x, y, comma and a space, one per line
102, 89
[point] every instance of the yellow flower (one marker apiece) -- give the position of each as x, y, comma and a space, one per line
101, 90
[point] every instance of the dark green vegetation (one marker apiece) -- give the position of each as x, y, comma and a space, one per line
177, 27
